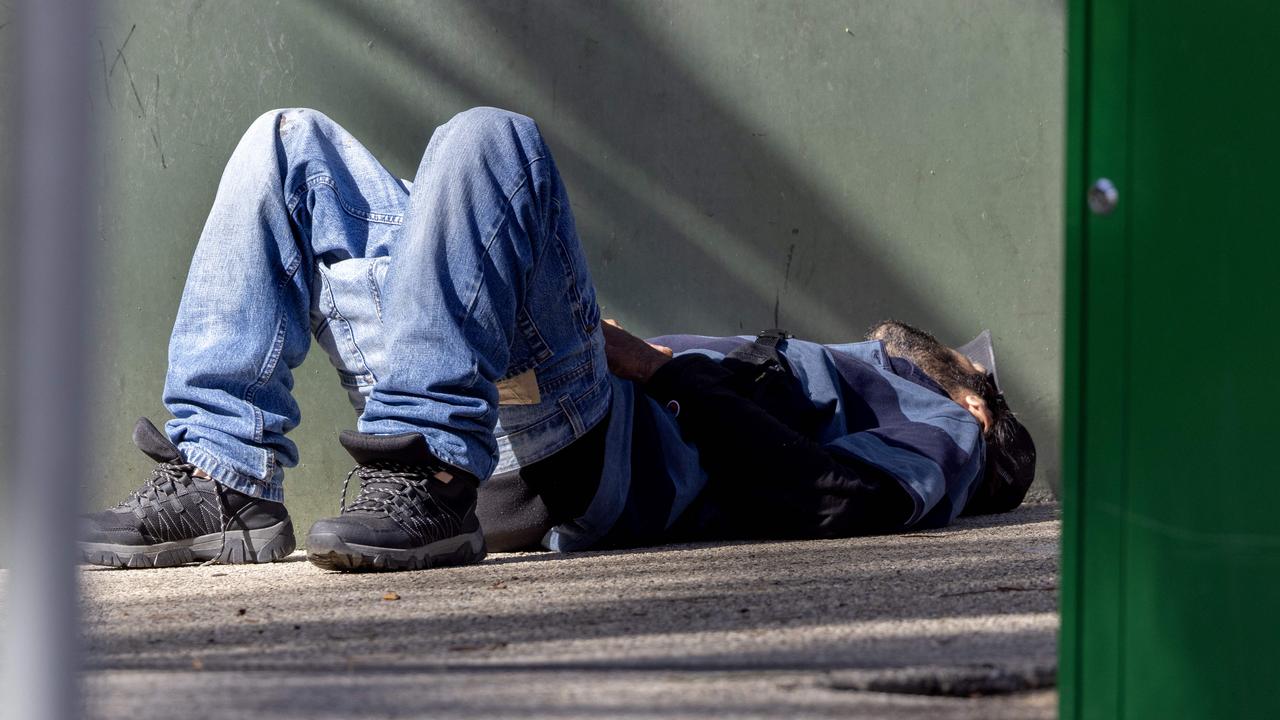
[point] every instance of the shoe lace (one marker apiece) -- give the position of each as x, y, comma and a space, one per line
163, 485
402, 493
224, 521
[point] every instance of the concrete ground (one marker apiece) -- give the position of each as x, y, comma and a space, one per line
955, 623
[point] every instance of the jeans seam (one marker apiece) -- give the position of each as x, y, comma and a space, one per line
374, 291
328, 182
540, 352
289, 271
273, 358
346, 325
493, 236
488, 246
579, 306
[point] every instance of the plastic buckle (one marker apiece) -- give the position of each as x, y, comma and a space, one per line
773, 336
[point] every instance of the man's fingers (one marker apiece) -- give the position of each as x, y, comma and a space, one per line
662, 349
611, 321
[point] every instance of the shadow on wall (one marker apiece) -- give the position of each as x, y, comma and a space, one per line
699, 149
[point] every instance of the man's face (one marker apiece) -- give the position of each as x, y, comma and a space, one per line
964, 381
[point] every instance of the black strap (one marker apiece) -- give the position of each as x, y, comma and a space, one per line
763, 350
762, 374
773, 336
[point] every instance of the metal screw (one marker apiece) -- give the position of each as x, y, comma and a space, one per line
1103, 196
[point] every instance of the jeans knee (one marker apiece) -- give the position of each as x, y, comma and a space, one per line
283, 121
283, 130
487, 125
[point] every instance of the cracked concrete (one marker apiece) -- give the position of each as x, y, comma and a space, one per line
953, 623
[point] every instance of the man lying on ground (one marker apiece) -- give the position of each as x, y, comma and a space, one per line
492, 399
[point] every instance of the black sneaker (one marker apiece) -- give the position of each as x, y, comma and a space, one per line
412, 512
177, 518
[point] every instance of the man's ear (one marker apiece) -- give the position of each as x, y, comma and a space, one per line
978, 408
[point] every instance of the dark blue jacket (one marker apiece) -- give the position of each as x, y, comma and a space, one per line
872, 411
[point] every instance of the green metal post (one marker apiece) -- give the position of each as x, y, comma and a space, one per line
1171, 545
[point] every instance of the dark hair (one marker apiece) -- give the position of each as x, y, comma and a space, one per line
1011, 458
1010, 453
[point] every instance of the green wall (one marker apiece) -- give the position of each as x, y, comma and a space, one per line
733, 165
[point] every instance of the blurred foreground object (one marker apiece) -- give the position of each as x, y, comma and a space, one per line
46, 390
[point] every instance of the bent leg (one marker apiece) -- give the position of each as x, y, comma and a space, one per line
489, 286
297, 193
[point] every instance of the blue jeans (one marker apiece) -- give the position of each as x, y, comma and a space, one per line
458, 306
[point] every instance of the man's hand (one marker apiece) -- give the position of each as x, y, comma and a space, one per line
631, 358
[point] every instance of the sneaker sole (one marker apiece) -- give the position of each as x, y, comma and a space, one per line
331, 552
242, 547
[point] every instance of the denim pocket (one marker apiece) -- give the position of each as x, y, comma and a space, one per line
346, 319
